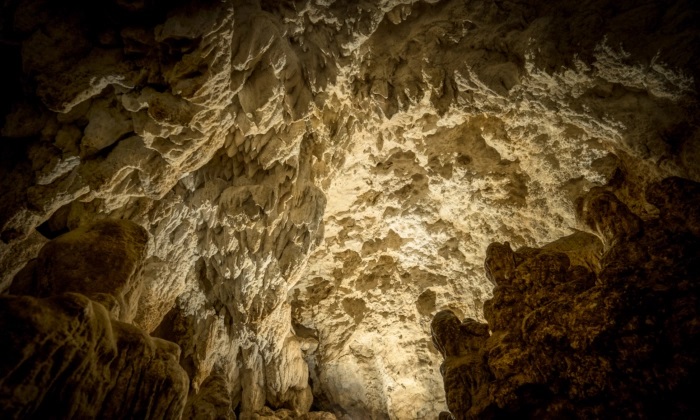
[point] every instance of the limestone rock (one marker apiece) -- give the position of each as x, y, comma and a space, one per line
465, 375
104, 258
317, 179
63, 357
566, 342
213, 401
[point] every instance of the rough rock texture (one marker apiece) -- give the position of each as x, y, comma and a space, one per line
101, 260
71, 361
67, 356
566, 342
319, 178
479, 121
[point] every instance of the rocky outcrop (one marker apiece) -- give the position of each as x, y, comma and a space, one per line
465, 374
477, 122
213, 401
102, 261
565, 341
185, 118
66, 355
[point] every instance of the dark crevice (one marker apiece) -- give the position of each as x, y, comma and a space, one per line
57, 224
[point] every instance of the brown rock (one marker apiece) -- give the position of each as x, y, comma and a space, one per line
212, 401
568, 343
101, 260
350, 162
465, 374
64, 358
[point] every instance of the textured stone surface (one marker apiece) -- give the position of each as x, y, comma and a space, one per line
478, 124
319, 178
213, 401
65, 358
101, 260
565, 342
464, 372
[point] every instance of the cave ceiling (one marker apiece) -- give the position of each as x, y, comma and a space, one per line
315, 180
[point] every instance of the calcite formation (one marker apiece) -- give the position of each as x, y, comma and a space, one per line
290, 191
563, 341
69, 360
68, 355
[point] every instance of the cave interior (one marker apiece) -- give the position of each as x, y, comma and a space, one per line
331, 209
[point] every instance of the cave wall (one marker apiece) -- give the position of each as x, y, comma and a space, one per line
71, 349
564, 341
68, 359
316, 180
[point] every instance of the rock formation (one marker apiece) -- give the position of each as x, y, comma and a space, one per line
69, 356
563, 341
290, 191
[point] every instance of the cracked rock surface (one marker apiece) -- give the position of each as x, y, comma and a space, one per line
291, 191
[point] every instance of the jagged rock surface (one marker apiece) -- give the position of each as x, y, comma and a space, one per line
569, 342
319, 178
477, 124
